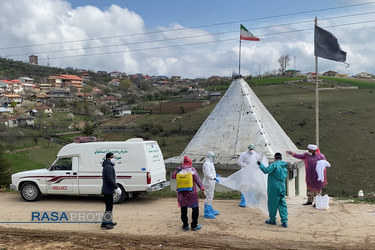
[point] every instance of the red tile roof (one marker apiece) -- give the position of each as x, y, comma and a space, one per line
77, 86
13, 96
111, 98
43, 107
71, 77
67, 77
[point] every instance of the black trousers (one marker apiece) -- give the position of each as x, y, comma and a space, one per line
194, 216
107, 217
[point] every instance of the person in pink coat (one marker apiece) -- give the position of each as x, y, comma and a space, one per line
314, 186
189, 199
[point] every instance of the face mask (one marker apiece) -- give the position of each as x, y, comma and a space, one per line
251, 152
113, 160
311, 154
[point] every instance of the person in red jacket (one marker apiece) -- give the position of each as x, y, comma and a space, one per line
189, 199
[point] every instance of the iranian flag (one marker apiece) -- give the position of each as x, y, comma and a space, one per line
247, 35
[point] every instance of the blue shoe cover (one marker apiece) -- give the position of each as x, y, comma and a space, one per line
243, 201
185, 228
208, 213
285, 224
213, 211
196, 228
270, 222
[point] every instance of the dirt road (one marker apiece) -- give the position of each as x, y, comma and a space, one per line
150, 223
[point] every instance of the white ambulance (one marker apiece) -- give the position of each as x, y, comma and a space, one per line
78, 170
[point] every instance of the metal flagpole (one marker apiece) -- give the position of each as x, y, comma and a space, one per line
239, 60
316, 97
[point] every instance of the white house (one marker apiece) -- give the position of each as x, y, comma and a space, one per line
7, 100
120, 112
26, 79
25, 120
3, 86
4, 111
363, 75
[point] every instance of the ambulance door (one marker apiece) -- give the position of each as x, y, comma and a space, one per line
59, 178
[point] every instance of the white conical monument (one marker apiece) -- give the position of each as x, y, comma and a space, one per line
240, 119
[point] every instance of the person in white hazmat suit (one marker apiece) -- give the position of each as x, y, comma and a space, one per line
246, 158
209, 181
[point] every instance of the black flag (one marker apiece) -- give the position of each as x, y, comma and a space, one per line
326, 46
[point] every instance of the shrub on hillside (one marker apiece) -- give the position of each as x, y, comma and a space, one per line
5, 171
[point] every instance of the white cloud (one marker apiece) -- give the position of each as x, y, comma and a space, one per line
26, 22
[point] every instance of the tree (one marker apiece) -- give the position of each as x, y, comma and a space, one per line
125, 85
87, 89
89, 129
283, 62
5, 171
13, 104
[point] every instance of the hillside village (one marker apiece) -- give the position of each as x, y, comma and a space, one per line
113, 94
89, 93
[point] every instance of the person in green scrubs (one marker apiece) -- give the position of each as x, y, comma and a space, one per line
276, 189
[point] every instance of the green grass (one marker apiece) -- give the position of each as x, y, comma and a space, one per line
168, 193
222, 87
270, 81
360, 83
230, 195
356, 200
347, 132
164, 193
32, 159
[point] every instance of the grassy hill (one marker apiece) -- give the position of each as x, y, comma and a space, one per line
347, 131
14, 69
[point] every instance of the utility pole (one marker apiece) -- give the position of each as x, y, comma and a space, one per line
259, 71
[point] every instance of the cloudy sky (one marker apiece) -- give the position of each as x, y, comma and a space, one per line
191, 38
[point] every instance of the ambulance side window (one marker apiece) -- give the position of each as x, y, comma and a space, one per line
62, 164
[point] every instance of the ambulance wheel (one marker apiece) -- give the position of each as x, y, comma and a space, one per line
30, 191
117, 199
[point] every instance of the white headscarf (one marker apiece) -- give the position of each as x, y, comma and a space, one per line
312, 147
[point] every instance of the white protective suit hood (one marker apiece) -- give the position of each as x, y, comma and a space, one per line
210, 156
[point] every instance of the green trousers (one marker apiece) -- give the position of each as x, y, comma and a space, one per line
277, 202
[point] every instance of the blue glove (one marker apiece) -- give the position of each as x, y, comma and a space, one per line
217, 180
217, 175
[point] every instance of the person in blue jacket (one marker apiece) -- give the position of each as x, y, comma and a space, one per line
276, 189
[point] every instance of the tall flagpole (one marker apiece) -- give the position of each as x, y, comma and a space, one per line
316, 97
239, 60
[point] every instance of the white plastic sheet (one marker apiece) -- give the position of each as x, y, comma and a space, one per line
252, 183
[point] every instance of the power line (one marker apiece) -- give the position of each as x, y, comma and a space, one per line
189, 37
194, 27
200, 43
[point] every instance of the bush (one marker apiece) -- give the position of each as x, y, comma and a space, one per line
5, 171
